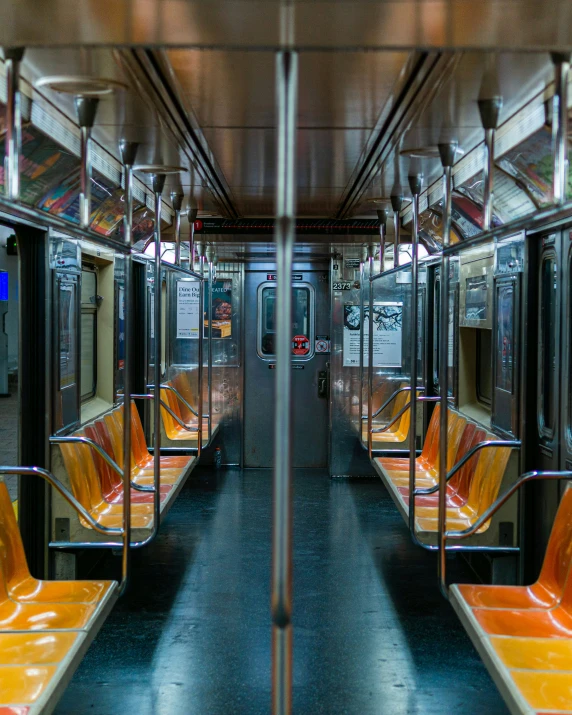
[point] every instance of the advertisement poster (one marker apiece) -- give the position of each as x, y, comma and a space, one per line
188, 309
387, 337
222, 309
43, 164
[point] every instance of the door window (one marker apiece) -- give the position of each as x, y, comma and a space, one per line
548, 298
302, 321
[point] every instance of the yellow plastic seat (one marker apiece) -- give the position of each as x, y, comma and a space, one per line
173, 430
399, 431
22, 586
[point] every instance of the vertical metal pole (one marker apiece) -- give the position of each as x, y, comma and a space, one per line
560, 126
489, 110
128, 151
284, 232
370, 358
200, 359
86, 108
415, 186
361, 340
210, 352
13, 57
177, 202
396, 203
447, 152
158, 184
192, 215
382, 215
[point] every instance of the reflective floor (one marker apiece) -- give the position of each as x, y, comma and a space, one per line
371, 632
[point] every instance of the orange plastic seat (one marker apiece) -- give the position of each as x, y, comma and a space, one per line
21, 584
427, 458
173, 429
399, 431
86, 489
525, 632
110, 481
458, 486
483, 490
429, 477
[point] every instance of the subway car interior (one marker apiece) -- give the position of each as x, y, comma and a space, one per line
285, 357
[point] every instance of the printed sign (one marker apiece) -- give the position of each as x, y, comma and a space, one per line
121, 329
387, 337
274, 276
188, 309
300, 345
322, 344
222, 309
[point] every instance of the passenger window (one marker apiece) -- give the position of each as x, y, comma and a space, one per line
505, 338
548, 287
67, 329
302, 320
484, 382
88, 333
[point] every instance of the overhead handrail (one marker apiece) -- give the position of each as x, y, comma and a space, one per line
513, 443
491, 511
180, 269
421, 398
102, 453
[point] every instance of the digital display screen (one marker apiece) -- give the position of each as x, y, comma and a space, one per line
3, 285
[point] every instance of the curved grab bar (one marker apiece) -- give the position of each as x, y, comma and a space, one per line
404, 409
496, 505
67, 495
391, 398
514, 444
489, 513
102, 453
169, 410
179, 397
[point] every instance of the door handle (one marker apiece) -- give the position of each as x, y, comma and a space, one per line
323, 384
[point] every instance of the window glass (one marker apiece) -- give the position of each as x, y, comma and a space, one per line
301, 318
505, 338
88, 337
67, 334
548, 340
484, 382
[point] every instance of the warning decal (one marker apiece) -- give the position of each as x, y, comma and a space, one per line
300, 345
322, 345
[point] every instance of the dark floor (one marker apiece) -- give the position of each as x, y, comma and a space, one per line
371, 632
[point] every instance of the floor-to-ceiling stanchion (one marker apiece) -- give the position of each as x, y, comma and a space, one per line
284, 235
192, 216
128, 151
370, 255
158, 183
447, 153
12, 58
415, 186
177, 203
396, 204
560, 125
489, 110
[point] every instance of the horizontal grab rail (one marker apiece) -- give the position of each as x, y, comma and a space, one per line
513, 443
186, 271
67, 495
102, 453
404, 409
496, 505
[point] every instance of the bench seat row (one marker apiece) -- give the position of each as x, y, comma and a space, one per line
469, 492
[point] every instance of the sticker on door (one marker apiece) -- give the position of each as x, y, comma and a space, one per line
300, 345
